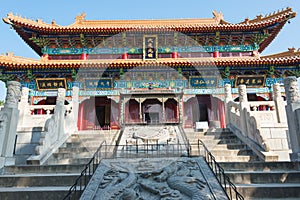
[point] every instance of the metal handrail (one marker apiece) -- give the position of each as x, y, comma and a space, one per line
228, 187
147, 150
81, 182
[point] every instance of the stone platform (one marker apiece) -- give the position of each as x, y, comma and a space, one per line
154, 178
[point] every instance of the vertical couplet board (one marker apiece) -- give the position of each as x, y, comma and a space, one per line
150, 44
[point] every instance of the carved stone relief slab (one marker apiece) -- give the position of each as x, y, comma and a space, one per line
153, 178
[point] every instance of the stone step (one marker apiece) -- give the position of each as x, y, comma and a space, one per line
259, 177
229, 133
34, 193
72, 155
271, 191
69, 161
227, 152
235, 158
38, 180
43, 169
76, 149
261, 166
232, 146
82, 144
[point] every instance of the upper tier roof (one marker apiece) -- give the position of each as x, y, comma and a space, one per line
270, 23
184, 25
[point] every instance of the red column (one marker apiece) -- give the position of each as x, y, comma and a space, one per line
46, 56
216, 54
81, 117
124, 56
83, 56
174, 54
222, 114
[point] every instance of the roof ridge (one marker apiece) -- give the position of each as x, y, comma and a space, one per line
259, 18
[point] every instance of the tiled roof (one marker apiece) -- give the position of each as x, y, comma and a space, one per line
183, 25
19, 63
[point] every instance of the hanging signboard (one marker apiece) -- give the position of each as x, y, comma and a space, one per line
50, 83
100, 84
250, 80
150, 47
203, 82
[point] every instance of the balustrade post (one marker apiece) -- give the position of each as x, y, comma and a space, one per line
279, 104
9, 116
243, 107
60, 110
23, 105
228, 98
293, 115
75, 102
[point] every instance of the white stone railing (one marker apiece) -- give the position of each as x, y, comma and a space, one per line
291, 88
57, 128
234, 113
41, 109
261, 105
261, 125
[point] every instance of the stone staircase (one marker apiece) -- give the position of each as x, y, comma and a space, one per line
54, 179
37, 182
265, 180
255, 179
223, 144
79, 148
27, 139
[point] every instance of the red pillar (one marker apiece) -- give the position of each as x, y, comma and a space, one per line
222, 114
80, 122
46, 56
174, 54
124, 56
83, 56
216, 54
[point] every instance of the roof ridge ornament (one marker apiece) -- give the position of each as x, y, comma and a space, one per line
80, 18
293, 49
218, 16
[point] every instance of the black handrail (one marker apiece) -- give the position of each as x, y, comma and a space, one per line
147, 150
228, 187
81, 182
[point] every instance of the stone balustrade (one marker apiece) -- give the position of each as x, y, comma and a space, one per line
260, 124
58, 128
293, 115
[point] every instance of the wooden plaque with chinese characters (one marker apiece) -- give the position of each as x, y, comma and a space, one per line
150, 47
51, 83
203, 82
99, 84
250, 80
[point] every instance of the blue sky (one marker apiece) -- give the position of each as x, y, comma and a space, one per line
64, 12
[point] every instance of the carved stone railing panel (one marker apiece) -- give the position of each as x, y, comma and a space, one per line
293, 114
260, 124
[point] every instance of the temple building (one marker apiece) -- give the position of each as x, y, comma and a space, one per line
146, 92
149, 71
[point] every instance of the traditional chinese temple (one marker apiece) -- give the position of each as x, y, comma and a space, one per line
149, 71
